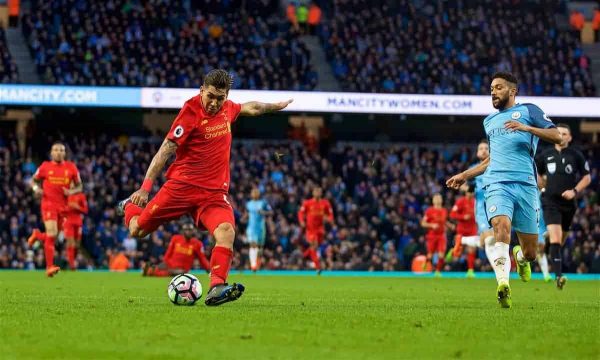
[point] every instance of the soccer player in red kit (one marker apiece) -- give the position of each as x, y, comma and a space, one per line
77, 206
180, 255
52, 181
463, 212
198, 180
312, 216
435, 221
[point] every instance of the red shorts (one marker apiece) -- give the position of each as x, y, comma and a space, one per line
72, 230
52, 212
208, 208
315, 236
436, 243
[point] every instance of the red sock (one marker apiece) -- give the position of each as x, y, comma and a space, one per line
440, 264
315, 258
220, 262
131, 210
71, 251
471, 261
49, 251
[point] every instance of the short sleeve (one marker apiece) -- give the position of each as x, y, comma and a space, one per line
75, 177
183, 125
40, 173
538, 118
234, 111
582, 164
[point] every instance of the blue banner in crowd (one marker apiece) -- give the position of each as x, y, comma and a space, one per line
43, 95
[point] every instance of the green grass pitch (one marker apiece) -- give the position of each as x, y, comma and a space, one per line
111, 316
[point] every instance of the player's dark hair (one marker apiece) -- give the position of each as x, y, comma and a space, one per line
506, 76
218, 78
563, 125
483, 141
58, 143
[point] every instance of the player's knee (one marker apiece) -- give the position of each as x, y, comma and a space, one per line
224, 234
501, 229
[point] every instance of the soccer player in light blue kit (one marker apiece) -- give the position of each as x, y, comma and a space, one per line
510, 179
256, 230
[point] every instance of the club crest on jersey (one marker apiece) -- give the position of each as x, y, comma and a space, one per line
178, 131
492, 209
516, 115
551, 167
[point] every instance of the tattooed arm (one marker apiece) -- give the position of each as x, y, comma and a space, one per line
167, 149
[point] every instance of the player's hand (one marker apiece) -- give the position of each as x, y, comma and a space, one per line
516, 126
456, 181
38, 191
282, 105
66, 191
140, 198
468, 217
434, 226
568, 194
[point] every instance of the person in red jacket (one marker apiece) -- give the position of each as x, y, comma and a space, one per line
312, 217
463, 212
77, 206
435, 219
180, 255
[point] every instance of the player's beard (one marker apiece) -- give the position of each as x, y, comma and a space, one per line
501, 103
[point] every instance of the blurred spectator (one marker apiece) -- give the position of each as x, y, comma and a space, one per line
577, 20
314, 18
302, 16
165, 43
8, 67
453, 47
291, 15
596, 24
378, 192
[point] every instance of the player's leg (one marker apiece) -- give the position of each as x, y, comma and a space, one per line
217, 217
440, 244
251, 240
471, 242
499, 207
526, 224
170, 202
260, 245
70, 236
542, 259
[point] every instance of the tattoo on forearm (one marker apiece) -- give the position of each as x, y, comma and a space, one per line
167, 149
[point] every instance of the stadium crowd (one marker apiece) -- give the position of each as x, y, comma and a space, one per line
166, 43
378, 195
8, 68
451, 47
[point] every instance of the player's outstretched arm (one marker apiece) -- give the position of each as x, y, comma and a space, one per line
256, 108
74, 190
36, 186
166, 150
457, 180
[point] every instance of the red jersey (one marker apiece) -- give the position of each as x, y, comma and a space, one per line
55, 178
77, 206
181, 253
464, 212
436, 216
204, 144
313, 212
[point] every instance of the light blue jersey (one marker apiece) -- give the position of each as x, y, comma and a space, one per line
256, 229
512, 152
510, 180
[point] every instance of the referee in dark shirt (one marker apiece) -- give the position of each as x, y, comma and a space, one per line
563, 173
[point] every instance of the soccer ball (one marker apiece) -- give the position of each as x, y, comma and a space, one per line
184, 289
